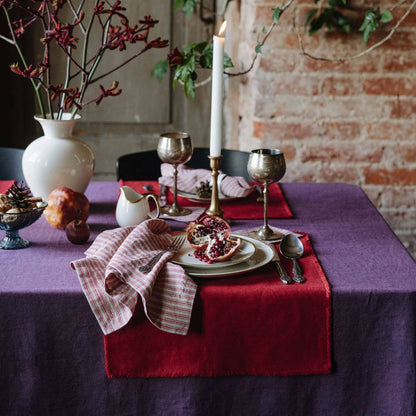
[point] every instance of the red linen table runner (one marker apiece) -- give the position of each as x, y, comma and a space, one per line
240, 208
250, 324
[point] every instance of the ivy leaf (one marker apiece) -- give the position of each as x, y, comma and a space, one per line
189, 87
370, 24
178, 4
341, 21
366, 34
370, 19
309, 16
205, 60
186, 74
188, 6
160, 69
196, 47
316, 24
386, 16
337, 3
228, 63
185, 70
257, 49
276, 14
331, 17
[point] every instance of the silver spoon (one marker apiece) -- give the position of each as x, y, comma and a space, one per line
292, 248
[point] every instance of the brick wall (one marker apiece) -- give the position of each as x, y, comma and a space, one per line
349, 122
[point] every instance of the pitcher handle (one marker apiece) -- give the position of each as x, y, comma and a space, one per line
154, 197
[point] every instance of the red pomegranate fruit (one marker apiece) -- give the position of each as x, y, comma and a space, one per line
65, 205
222, 249
200, 232
77, 232
198, 236
210, 237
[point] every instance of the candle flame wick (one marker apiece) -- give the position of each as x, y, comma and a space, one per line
222, 28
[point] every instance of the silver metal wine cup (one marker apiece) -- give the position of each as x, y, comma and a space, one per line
175, 148
266, 166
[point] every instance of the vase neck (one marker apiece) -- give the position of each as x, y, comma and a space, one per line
56, 128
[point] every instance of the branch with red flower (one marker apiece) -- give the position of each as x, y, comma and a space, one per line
108, 18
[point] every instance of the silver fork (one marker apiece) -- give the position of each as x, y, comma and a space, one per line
177, 243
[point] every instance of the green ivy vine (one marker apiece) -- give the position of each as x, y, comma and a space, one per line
329, 14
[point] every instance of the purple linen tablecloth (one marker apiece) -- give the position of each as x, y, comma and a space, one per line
52, 358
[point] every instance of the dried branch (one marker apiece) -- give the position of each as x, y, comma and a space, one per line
115, 37
261, 43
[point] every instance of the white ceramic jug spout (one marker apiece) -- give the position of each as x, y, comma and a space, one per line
133, 208
129, 194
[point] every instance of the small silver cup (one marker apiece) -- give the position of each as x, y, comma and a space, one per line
175, 148
266, 166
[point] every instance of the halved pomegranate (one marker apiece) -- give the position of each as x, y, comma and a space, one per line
198, 236
209, 235
217, 224
200, 232
222, 249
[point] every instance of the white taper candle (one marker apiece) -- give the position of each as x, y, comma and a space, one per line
217, 93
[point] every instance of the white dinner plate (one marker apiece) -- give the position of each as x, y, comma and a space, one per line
185, 256
262, 256
195, 198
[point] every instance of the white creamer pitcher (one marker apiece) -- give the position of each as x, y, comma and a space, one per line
133, 208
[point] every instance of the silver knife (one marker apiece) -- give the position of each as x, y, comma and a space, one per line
284, 276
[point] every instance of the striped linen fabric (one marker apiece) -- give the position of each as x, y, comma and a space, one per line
113, 284
188, 178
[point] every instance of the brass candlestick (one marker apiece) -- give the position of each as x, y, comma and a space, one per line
214, 208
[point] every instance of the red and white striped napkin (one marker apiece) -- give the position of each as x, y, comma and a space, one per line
112, 282
188, 179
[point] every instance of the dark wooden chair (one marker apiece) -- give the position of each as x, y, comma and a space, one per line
11, 163
146, 165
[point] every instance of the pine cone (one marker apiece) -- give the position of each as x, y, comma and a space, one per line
18, 196
204, 190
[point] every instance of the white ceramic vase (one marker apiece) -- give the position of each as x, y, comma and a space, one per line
57, 159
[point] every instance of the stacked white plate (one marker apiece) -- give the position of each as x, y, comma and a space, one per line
251, 255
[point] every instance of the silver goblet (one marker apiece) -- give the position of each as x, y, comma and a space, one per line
266, 166
175, 148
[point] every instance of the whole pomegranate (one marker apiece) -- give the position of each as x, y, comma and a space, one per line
210, 237
77, 231
65, 205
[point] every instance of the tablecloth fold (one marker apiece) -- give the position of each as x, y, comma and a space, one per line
250, 324
112, 282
